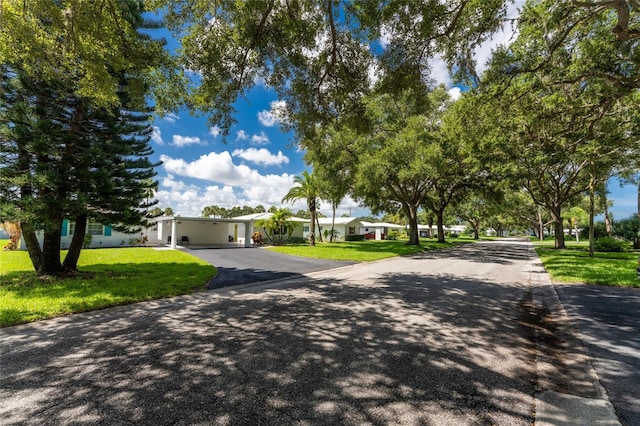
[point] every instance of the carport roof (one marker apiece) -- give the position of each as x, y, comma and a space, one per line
240, 219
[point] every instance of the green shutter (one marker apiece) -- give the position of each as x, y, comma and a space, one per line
65, 227
107, 231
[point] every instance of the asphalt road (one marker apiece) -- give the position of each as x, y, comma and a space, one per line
448, 338
238, 266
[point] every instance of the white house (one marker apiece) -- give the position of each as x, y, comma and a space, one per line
101, 236
342, 226
379, 230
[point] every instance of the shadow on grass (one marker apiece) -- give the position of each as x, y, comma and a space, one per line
26, 297
575, 265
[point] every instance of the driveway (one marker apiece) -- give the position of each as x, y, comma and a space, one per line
447, 338
248, 265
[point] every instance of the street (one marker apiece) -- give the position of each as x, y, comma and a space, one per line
442, 338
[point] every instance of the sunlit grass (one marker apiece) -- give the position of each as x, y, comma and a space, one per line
108, 277
360, 251
574, 265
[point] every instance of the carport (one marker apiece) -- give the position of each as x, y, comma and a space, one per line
177, 230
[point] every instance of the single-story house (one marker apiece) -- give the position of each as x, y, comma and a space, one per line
378, 230
342, 226
101, 236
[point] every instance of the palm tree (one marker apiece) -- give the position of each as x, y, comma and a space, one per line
306, 188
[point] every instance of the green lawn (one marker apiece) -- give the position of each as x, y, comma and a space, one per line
360, 251
573, 265
108, 277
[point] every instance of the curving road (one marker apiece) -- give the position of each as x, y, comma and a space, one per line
450, 338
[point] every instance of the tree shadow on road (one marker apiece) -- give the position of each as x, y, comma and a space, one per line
409, 349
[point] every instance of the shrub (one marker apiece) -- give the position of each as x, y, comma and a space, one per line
393, 235
354, 238
599, 231
295, 240
608, 244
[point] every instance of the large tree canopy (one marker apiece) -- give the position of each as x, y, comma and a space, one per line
321, 56
74, 128
86, 44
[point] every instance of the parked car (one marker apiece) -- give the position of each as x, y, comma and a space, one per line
372, 236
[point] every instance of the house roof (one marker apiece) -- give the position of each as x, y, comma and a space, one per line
338, 220
382, 225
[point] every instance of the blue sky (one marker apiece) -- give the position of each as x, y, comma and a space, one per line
258, 162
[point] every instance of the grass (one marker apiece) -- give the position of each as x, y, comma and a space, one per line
360, 251
573, 265
109, 277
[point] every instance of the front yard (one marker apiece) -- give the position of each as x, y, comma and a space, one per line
108, 277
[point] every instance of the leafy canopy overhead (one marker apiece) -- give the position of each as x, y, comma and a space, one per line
321, 56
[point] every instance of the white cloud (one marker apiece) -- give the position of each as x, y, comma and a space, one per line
261, 156
251, 187
260, 139
241, 135
275, 115
171, 118
215, 131
156, 135
181, 141
455, 93
439, 71
189, 200
219, 167
502, 37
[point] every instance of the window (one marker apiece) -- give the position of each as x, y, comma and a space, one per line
93, 228
305, 228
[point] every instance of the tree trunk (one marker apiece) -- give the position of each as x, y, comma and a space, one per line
559, 233
430, 227
312, 228
51, 249
592, 212
319, 230
71, 259
414, 236
440, 223
33, 246
540, 224
476, 232
333, 221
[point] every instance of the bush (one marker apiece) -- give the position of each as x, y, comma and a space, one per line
296, 240
608, 244
354, 238
599, 231
393, 235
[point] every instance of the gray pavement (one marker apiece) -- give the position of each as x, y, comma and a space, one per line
238, 266
607, 321
462, 337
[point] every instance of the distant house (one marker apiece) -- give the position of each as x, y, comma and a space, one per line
379, 230
343, 226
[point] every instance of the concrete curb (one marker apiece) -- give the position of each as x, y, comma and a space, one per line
585, 402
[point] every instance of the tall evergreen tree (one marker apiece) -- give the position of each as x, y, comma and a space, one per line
66, 152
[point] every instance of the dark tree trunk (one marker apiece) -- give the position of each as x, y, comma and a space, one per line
592, 211
414, 236
430, 227
33, 246
51, 249
440, 222
71, 259
559, 234
540, 224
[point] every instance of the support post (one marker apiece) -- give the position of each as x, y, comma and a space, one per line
248, 233
174, 239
